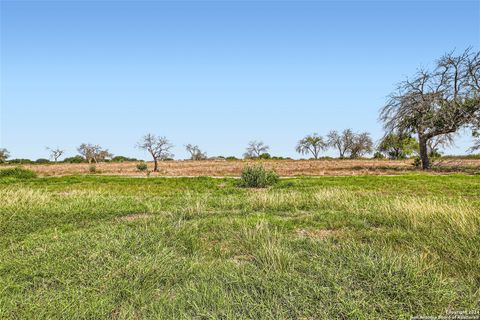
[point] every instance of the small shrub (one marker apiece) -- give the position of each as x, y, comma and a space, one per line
92, 169
257, 177
142, 166
18, 173
231, 158
417, 162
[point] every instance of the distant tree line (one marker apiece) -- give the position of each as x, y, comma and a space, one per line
347, 143
420, 117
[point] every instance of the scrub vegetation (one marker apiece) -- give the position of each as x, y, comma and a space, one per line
359, 247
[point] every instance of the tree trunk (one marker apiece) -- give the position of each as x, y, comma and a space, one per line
422, 142
155, 168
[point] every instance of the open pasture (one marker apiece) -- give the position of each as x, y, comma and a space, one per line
286, 168
361, 247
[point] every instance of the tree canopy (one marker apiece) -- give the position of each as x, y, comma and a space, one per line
311, 144
436, 102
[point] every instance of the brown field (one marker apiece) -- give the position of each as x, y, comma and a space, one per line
219, 168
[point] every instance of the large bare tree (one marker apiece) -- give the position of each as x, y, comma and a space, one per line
362, 144
255, 149
436, 102
158, 147
311, 144
93, 153
4, 155
55, 153
349, 143
343, 142
195, 152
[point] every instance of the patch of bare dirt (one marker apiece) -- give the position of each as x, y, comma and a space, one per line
242, 259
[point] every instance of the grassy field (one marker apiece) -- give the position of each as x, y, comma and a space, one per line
286, 168
361, 247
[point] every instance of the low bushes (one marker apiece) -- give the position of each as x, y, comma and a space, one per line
257, 177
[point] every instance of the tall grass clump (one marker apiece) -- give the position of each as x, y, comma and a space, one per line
18, 173
257, 177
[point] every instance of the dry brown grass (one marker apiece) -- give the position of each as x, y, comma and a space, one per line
317, 234
233, 168
134, 217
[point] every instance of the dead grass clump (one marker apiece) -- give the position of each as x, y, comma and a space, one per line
135, 217
318, 233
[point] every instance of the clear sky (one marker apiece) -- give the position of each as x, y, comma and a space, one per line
212, 73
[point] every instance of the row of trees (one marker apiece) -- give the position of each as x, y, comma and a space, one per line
348, 144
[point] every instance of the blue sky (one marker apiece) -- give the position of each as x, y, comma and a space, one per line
217, 74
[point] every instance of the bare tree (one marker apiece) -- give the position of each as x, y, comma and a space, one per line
437, 102
93, 153
342, 142
55, 153
441, 141
362, 144
311, 144
103, 155
255, 149
158, 147
4, 155
195, 152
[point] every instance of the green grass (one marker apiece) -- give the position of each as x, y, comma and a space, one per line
97, 247
17, 173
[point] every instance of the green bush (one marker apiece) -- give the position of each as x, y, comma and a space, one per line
142, 166
42, 160
18, 173
257, 177
122, 159
76, 159
92, 169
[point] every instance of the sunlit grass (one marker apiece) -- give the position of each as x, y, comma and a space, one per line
308, 248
